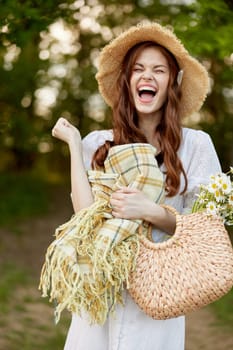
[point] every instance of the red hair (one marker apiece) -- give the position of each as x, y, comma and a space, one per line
125, 120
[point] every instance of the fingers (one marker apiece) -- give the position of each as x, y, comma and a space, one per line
64, 122
115, 203
117, 209
127, 190
127, 203
116, 214
123, 193
61, 123
119, 202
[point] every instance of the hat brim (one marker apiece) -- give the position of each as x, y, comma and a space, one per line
195, 81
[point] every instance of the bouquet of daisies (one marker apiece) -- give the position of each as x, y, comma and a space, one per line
217, 197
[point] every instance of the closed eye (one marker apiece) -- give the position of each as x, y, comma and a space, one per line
160, 71
136, 69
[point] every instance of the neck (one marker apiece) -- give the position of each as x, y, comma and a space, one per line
148, 125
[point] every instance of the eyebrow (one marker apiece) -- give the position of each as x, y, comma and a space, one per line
156, 66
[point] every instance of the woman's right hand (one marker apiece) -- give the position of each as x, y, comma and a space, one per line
80, 188
65, 131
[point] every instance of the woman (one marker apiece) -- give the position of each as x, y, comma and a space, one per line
151, 82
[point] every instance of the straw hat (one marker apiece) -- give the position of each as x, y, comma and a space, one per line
195, 81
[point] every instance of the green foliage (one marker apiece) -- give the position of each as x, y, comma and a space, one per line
22, 196
26, 18
11, 277
223, 309
28, 341
19, 302
205, 27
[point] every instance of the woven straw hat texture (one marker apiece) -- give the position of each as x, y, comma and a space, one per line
195, 82
190, 270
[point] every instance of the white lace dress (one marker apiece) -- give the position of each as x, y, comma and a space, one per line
131, 329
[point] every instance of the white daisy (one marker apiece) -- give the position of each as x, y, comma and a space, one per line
213, 186
219, 196
226, 186
211, 208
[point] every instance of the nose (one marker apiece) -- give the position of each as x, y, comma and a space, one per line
147, 75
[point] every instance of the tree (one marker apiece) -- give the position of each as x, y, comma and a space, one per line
48, 55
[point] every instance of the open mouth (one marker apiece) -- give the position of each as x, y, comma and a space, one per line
146, 93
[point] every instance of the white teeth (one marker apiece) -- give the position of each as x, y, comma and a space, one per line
146, 88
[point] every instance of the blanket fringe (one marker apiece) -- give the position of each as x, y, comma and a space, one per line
81, 278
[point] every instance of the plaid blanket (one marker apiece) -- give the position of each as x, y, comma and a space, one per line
88, 264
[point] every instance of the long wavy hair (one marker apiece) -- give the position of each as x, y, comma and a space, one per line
125, 120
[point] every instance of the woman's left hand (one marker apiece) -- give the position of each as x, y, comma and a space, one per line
132, 204
129, 203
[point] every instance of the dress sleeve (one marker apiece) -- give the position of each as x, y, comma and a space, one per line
201, 162
92, 142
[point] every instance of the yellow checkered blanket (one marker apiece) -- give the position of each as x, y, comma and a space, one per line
88, 264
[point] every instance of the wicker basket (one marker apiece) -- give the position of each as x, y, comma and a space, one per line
190, 270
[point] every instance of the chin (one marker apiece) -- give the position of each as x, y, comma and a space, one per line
147, 110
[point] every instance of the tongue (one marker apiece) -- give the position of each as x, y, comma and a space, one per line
146, 96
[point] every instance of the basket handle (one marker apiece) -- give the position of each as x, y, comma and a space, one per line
149, 234
171, 209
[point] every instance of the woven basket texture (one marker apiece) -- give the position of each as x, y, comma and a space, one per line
190, 270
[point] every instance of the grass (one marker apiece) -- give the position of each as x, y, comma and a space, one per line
22, 196
11, 277
34, 333
223, 309
47, 339
28, 329
23, 325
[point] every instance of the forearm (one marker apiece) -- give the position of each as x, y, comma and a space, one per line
160, 218
129, 203
80, 188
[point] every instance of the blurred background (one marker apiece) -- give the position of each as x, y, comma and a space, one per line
48, 59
